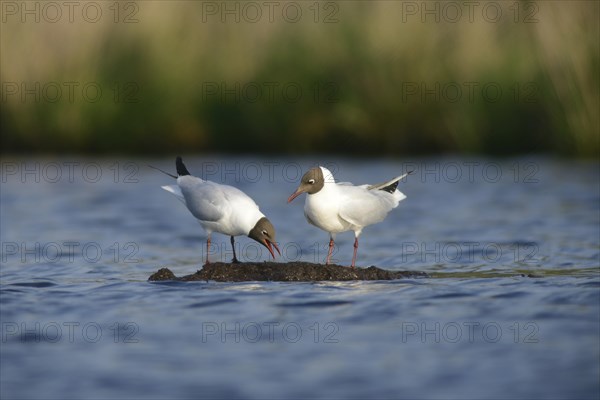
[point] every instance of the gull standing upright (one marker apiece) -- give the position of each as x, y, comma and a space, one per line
340, 207
222, 208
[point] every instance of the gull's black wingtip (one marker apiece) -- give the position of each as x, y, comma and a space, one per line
181, 169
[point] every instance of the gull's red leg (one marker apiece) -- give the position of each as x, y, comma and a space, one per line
330, 251
355, 249
207, 250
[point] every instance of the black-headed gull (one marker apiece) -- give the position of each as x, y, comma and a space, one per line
222, 208
340, 207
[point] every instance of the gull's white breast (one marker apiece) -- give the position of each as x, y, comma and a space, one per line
322, 210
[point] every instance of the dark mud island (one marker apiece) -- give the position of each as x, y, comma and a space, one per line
283, 272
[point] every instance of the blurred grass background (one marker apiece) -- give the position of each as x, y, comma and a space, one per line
362, 63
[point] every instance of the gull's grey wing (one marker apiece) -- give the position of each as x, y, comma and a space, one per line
361, 207
203, 198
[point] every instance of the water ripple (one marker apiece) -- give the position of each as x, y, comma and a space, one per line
35, 284
212, 303
319, 304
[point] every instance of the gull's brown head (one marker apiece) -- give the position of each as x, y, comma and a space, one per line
312, 181
264, 233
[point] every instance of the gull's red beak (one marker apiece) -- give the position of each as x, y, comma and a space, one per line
269, 245
294, 195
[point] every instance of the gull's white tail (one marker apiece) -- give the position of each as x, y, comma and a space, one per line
176, 191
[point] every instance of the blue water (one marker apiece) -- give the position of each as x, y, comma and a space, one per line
512, 308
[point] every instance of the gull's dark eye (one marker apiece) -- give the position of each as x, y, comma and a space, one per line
311, 181
265, 233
